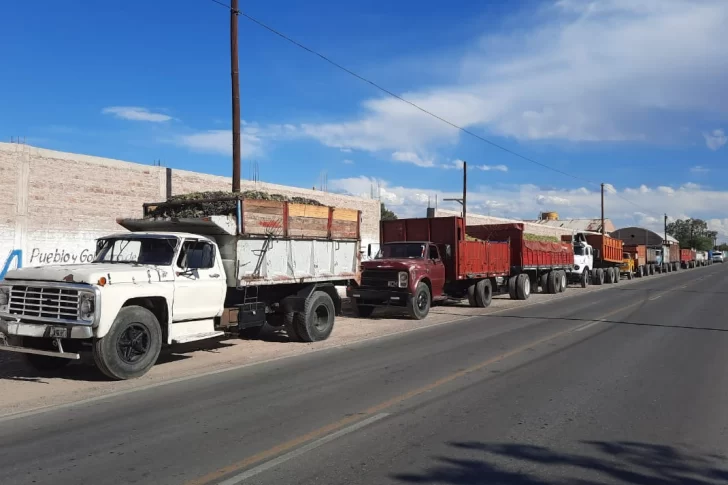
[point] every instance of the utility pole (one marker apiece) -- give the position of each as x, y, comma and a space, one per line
464, 199
235, 75
665, 228
602, 209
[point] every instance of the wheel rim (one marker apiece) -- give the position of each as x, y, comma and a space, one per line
321, 320
133, 343
421, 301
527, 287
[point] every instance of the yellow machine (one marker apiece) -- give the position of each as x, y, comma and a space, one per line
627, 266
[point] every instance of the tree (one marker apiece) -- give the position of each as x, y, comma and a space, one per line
723, 247
387, 215
692, 234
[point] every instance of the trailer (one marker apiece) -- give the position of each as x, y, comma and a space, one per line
674, 257
544, 264
654, 260
422, 261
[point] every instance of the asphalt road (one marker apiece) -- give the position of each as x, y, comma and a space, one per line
625, 386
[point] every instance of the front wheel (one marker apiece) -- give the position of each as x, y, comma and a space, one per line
585, 278
132, 345
418, 305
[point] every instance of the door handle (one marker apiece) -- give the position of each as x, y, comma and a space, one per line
214, 275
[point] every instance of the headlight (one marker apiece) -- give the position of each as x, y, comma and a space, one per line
86, 306
576, 266
403, 279
4, 297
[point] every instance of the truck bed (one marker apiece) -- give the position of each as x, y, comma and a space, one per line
272, 242
610, 249
470, 259
638, 252
525, 254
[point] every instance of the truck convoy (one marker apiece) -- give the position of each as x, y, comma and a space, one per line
425, 260
599, 258
172, 280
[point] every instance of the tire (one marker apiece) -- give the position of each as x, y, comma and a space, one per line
363, 311
564, 282
523, 286
553, 282
640, 272
291, 328
543, 281
599, 272
483, 293
608, 276
250, 333
584, 278
652, 269
418, 305
512, 283
132, 345
316, 322
617, 275
629, 275
471, 295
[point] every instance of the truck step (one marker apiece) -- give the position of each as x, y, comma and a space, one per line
182, 339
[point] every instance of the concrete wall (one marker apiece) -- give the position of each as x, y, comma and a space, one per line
53, 205
530, 227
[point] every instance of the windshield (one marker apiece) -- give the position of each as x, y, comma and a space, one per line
139, 250
579, 251
402, 250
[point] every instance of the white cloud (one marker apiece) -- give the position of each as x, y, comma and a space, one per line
135, 113
413, 158
715, 139
253, 139
498, 168
345, 150
613, 70
699, 169
453, 165
348, 162
527, 201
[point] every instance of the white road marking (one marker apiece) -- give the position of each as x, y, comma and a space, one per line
588, 325
300, 451
655, 297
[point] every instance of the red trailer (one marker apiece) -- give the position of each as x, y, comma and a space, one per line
688, 258
425, 260
544, 264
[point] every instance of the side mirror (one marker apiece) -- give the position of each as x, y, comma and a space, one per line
369, 250
448, 251
596, 253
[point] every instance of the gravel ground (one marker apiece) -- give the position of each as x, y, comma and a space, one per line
24, 389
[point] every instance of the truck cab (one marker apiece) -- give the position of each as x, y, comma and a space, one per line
140, 291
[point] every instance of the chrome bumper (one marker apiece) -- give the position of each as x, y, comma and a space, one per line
15, 330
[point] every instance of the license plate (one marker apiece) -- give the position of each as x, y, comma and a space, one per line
59, 332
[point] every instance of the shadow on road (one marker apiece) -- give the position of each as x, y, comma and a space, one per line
599, 462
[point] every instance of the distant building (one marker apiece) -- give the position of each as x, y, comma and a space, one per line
551, 219
640, 235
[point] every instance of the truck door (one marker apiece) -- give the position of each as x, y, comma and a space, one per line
200, 285
436, 271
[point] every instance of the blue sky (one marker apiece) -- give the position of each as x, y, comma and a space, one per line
616, 91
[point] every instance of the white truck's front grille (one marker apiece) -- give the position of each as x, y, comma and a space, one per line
44, 302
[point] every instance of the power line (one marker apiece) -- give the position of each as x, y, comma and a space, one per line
416, 106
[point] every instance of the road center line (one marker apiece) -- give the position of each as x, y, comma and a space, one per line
655, 297
584, 327
300, 451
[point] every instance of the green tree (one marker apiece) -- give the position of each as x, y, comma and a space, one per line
387, 215
723, 247
692, 234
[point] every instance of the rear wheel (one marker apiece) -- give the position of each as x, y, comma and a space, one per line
629, 275
471, 295
652, 269
418, 305
483, 293
512, 282
316, 322
523, 286
609, 276
564, 281
617, 275
553, 282
543, 281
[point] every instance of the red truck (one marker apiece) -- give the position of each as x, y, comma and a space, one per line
425, 260
688, 258
533, 263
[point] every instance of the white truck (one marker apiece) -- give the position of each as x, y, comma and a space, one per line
175, 280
